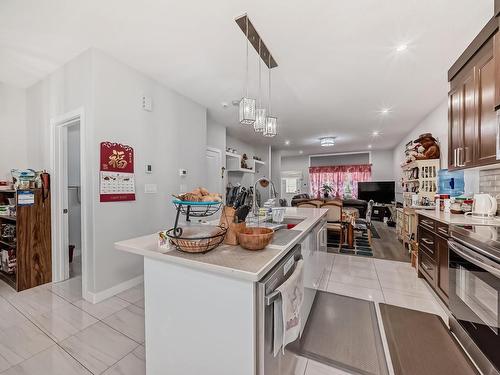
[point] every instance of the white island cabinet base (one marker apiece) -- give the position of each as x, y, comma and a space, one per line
197, 322
200, 309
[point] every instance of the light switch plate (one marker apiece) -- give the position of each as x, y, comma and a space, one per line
147, 103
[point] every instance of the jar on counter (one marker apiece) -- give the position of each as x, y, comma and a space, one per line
444, 200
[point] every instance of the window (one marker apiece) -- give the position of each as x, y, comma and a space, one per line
291, 185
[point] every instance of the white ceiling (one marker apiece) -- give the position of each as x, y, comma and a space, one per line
337, 59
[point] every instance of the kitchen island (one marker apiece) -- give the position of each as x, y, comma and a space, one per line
202, 311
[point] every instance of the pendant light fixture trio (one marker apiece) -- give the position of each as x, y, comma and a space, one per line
249, 114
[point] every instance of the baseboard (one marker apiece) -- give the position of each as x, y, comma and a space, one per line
110, 292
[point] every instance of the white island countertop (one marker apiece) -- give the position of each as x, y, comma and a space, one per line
458, 219
232, 261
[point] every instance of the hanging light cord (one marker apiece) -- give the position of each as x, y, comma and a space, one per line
246, 79
260, 85
269, 110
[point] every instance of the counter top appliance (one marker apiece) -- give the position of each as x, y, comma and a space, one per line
474, 265
484, 206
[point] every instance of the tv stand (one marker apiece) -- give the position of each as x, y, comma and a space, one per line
380, 210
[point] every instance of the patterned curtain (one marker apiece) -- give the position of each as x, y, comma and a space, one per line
343, 179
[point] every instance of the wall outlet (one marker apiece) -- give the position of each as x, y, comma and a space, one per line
147, 103
148, 169
150, 188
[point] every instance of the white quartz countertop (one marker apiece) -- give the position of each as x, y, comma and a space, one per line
458, 219
233, 261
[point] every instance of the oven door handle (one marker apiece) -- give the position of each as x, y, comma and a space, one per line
273, 296
480, 261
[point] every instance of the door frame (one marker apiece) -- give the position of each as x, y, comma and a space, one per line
60, 256
218, 151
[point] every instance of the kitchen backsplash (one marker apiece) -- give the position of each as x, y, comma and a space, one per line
489, 182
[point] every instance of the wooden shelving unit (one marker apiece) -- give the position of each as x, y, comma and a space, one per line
420, 177
32, 242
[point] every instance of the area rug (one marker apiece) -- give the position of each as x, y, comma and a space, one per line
361, 245
343, 332
420, 343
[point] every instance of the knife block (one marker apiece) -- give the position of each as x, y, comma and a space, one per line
227, 221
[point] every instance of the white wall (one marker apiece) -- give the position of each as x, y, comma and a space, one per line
13, 143
382, 162
436, 122
216, 136
110, 92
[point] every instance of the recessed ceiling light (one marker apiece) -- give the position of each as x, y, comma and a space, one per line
385, 111
376, 133
369, 146
301, 152
402, 47
327, 141
287, 142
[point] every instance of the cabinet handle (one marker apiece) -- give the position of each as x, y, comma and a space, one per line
461, 163
444, 232
428, 242
425, 266
455, 157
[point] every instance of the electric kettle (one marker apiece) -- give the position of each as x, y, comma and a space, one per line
484, 206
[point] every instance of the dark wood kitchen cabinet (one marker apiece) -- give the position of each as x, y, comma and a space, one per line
471, 112
433, 255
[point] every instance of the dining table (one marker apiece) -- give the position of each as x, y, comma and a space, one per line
349, 217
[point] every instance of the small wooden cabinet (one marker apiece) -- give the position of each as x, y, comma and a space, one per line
433, 255
29, 240
472, 101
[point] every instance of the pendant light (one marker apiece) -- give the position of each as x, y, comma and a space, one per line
247, 105
260, 114
271, 129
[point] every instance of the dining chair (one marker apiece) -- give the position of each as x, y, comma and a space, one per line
334, 218
306, 205
365, 225
317, 202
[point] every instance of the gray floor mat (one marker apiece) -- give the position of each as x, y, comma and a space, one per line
343, 332
420, 343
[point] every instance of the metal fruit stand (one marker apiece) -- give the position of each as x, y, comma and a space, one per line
185, 238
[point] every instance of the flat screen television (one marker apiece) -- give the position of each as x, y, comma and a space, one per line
379, 191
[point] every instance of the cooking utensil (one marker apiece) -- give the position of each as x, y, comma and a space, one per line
242, 213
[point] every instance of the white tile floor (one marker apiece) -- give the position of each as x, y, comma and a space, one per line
51, 330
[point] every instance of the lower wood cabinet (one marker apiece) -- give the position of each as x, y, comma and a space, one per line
433, 255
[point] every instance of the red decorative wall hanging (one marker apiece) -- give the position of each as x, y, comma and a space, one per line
117, 182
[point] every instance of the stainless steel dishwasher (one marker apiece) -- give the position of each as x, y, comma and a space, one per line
267, 364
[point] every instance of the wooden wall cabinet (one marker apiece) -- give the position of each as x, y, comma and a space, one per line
433, 255
471, 111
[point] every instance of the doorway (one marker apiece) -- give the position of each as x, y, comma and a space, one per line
215, 173
69, 200
74, 200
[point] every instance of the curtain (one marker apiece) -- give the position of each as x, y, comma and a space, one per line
343, 179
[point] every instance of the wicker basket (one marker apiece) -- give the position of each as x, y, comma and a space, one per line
197, 244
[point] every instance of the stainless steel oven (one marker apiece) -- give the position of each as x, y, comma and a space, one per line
474, 266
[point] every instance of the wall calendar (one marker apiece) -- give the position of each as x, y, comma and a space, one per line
117, 182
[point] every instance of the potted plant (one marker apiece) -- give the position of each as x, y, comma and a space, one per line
327, 190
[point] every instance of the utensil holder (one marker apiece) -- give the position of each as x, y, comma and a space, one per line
227, 220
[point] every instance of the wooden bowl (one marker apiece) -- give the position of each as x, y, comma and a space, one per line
255, 238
